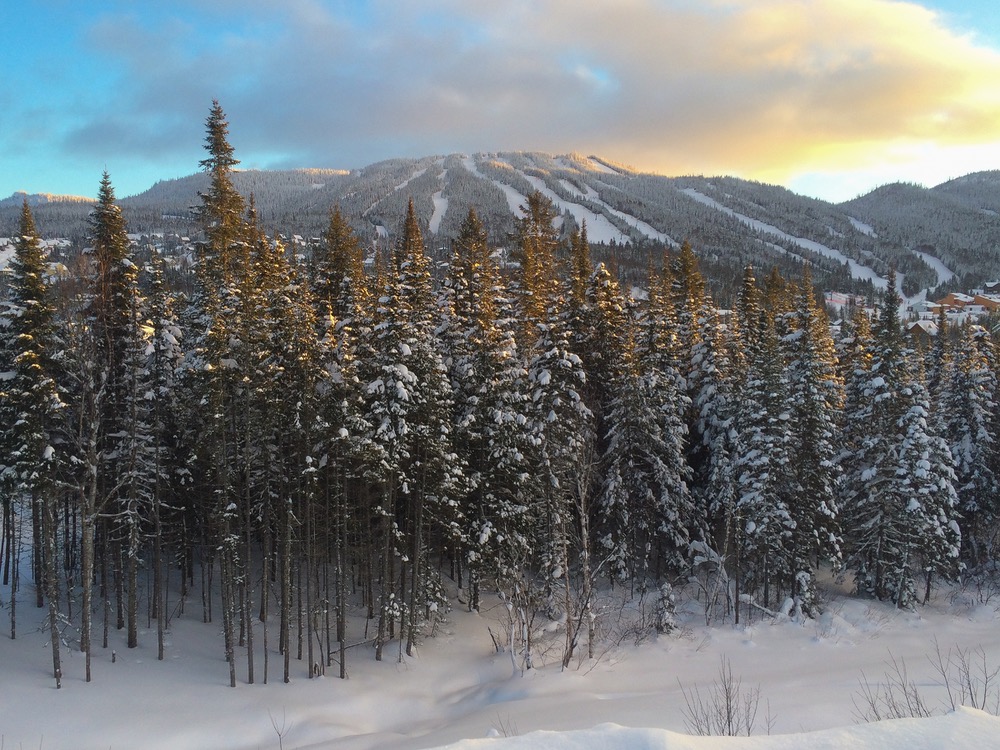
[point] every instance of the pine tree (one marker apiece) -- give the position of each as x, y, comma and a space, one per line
896, 472
535, 253
32, 399
581, 269
164, 361
716, 370
968, 415
489, 412
563, 456
929, 502
117, 331
689, 300
409, 402
682, 520
343, 301
338, 274
222, 207
816, 397
763, 521
221, 309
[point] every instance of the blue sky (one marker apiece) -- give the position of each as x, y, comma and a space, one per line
829, 97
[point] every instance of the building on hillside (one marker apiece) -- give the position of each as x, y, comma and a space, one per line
924, 310
956, 300
922, 331
989, 302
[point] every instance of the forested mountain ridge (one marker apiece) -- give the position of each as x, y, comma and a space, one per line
730, 222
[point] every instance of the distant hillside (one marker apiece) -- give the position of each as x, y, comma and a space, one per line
40, 199
957, 222
924, 233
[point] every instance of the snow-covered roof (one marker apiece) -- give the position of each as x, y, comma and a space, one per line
928, 327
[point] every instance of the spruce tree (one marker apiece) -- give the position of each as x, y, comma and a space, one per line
32, 399
763, 522
487, 380
409, 401
895, 472
967, 413
220, 351
535, 253
816, 398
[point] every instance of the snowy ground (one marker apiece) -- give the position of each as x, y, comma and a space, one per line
459, 690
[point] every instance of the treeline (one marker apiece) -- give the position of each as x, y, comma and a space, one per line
304, 438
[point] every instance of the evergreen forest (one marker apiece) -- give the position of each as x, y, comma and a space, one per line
323, 452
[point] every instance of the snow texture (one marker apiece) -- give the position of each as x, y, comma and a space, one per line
458, 689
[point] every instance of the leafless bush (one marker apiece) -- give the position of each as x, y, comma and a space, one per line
896, 698
978, 588
281, 728
964, 675
710, 582
724, 709
968, 678
505, 726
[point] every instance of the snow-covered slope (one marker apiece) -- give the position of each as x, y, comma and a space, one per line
458, 689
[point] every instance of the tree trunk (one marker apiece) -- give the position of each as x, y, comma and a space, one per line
87, 583
132, 567
50, 521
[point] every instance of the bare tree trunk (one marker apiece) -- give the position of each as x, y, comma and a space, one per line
15, 578
286, 589
132, 567
228, 606
50, 523
37, 573
87, 581
105, 588
416, 554
308, 562
247, 608
158, 587
341, 596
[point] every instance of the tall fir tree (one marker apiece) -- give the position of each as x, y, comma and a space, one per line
764, 523
816, 399
32, 400
535, 254
419, 475
967, 412
487, 380
895, 470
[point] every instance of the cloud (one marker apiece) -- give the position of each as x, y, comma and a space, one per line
762, 88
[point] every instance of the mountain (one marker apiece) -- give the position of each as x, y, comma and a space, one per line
926, 234
957, 222
17, 199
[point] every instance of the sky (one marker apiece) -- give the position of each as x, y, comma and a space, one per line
830, 98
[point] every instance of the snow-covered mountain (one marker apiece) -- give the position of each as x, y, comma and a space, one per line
926, 234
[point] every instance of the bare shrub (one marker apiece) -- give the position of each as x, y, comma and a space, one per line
965, 676
726, 708
978, 588
897, 697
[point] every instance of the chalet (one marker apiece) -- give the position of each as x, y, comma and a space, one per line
922, 331
989, 302
956, 300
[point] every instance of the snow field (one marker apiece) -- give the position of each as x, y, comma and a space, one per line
459, 690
